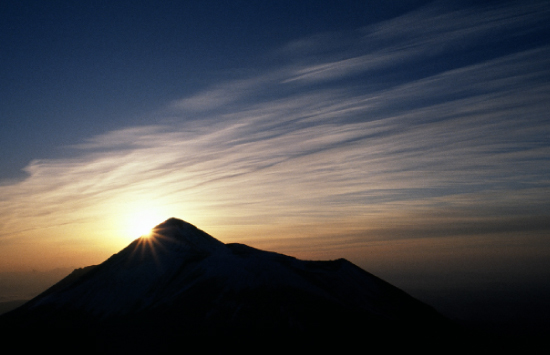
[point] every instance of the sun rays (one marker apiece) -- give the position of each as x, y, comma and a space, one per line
149, 247
142, 217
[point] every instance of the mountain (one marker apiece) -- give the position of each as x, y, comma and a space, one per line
182, 288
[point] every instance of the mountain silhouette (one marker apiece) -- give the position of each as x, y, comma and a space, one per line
182, 288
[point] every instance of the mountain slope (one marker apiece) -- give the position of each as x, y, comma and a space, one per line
183, 286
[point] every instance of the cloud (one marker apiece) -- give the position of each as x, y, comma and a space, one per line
453, 152
417, 36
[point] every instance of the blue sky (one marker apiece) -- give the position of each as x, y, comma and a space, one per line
411, 137
74, 70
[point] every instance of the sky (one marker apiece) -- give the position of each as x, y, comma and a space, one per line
410, 137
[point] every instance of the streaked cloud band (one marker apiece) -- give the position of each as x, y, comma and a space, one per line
334, 140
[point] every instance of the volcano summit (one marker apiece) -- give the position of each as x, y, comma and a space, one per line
182, 287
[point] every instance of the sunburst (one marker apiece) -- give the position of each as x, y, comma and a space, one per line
142, 224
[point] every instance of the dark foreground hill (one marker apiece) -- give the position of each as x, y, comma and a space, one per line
183, 289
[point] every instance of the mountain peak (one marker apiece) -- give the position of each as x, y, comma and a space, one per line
183, 286
177, 230
172, 223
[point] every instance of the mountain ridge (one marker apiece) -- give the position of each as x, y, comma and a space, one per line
180, 283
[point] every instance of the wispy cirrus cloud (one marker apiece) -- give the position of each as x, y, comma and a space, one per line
422, 35
457, 151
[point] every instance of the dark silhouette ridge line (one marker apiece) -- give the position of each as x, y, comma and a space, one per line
182, 285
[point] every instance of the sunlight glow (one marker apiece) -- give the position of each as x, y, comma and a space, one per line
142, 223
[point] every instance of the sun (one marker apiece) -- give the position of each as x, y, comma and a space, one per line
141, 228
141, 224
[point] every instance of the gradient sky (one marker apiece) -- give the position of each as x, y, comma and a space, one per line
411, 137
